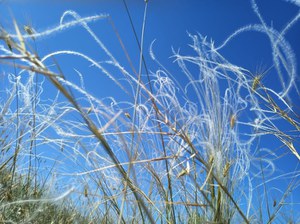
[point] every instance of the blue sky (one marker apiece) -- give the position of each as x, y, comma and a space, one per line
213, 19
168, 22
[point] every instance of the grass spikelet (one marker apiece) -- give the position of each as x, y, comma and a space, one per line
185, 171
258, 78
8, 42
226, 169
85, 191
127, 115
89, 110
255, 83
232, 120
28, 30
7, 39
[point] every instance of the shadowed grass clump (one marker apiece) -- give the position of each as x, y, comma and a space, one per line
166, 152
21, 202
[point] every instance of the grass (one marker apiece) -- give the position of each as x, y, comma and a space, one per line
22, 202
158, 157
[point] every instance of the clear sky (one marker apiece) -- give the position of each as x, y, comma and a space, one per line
168, 22
214, 19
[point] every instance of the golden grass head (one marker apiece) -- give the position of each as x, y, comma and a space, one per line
226, 169
232, 120
255, 82
258, 78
